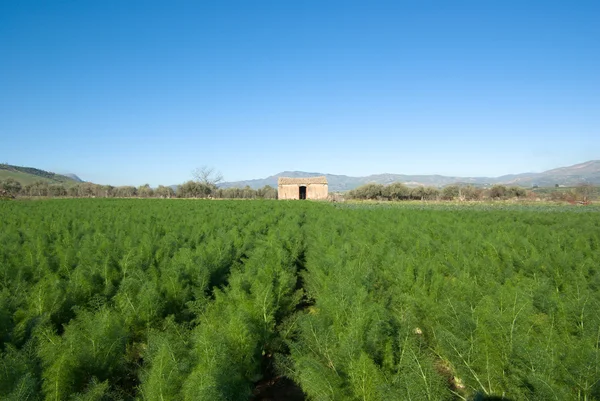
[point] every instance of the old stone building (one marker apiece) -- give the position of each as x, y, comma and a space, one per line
302, 188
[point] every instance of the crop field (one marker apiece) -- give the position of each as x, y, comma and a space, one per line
135, 299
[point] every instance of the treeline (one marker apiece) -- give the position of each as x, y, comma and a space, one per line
400, 192
190, 189
391, 192
196, 189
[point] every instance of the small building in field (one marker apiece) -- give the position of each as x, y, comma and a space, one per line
302, 188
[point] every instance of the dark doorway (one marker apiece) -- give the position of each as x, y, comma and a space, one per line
302, 193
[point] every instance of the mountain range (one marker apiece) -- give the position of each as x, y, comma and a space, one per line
588, 172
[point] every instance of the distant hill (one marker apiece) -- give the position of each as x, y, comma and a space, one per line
588, 172
345, 183
73, 177
28, 175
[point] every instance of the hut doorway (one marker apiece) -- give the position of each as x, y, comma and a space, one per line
302, 194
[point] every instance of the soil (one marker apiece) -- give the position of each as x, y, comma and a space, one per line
277, 389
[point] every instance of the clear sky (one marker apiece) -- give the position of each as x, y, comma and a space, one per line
133, 92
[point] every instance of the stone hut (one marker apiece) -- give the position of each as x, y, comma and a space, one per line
302, 188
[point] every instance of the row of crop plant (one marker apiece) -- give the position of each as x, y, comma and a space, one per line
193, 300
223, 355
90, 289
434, 304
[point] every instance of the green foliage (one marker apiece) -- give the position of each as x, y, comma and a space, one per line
471, 193
451, 192
498, 192
395, 191
91, 349
168, 361
368, 191
19, 376
148, 299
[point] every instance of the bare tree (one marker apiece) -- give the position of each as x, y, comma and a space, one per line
584, 191
208, 176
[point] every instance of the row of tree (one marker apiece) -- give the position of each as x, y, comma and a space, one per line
190, 189
198, 189
208, 189
399, 191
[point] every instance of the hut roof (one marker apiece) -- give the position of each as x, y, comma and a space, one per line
300, 181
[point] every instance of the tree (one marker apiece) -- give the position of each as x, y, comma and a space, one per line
516, 192
207, 176
267, 192
248, 193
126, 191
57, 190
106, 191
584, 191
73, 191
207, 179
451, 192
10, 186
471, 193
164, 192
498, 192
418, 193
191, 189
367, 191
87, 190
145, 191
38, 188
431, 193
396, 191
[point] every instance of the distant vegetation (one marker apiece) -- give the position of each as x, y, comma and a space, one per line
29, 182
206, 184
190, 189
399, 192
393, 192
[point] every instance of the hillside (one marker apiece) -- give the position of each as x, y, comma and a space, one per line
74, 177
28, 175
588, 172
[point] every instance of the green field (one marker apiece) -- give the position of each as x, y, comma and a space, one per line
104, 299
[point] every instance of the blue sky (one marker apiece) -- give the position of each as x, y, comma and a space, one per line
134, 92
